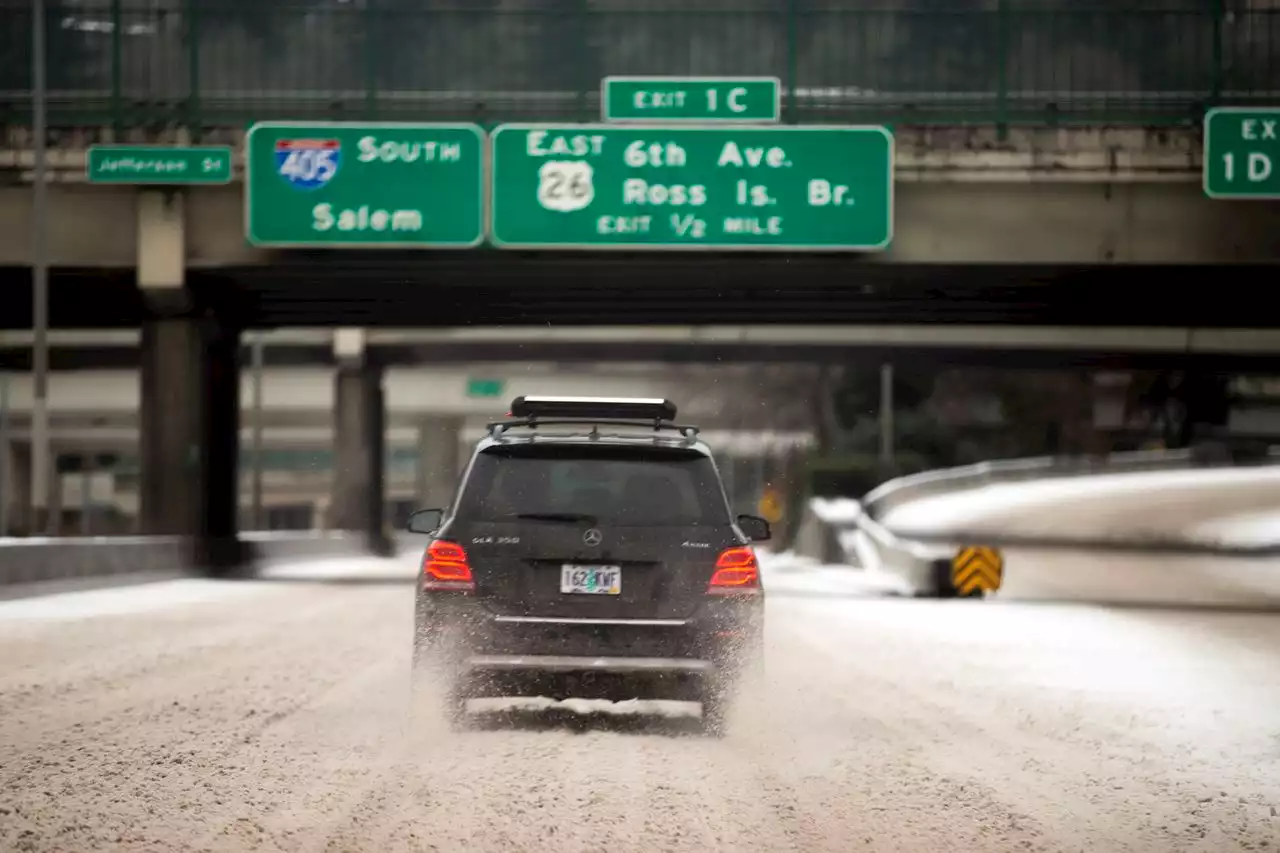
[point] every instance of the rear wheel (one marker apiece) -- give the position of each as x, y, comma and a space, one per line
436, 686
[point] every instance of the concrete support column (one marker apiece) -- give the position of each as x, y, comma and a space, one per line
172, 402
54, 523
190, 376
1207, 397
439, 460
17, 488
190, 437
359, 447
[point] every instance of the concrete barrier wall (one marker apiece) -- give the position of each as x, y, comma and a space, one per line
45, 559
39, 559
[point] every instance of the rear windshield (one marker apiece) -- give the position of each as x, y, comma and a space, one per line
635, 487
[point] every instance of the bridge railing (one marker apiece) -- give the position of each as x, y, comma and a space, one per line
204, 64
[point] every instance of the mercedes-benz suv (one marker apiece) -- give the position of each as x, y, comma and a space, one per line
590, 551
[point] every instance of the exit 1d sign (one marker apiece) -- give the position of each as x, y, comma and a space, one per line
1242, 152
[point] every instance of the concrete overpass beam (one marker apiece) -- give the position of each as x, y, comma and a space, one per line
359, 444
439, 460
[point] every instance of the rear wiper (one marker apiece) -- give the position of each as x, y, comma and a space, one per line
557, 516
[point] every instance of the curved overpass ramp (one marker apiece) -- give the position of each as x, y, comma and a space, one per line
1208, 537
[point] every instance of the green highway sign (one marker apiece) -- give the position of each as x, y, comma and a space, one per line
585, 186
700, 99
1242, 152
158, 164
364, 185
485, 387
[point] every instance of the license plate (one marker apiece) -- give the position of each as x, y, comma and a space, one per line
591, 580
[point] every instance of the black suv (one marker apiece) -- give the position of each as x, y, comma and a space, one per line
590, 552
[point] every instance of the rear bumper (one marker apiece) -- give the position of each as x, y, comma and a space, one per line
486, 654
574, 664
461, 628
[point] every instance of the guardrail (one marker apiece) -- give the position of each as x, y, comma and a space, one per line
219, 63
63, 558
922, 561
915, 486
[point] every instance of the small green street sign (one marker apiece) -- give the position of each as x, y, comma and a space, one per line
1242, 152
677, 187
364, 185
485, 387
701, 99
158, 164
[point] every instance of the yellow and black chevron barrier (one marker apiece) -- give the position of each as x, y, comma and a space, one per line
976, 570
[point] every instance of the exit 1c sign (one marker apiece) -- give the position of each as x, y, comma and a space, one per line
700, 99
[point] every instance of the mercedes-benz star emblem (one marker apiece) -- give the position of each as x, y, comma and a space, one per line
593, 537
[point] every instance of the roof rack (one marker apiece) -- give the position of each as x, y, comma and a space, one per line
498, 428
532, 412
628, 408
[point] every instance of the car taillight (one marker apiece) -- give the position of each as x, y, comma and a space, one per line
445, 567
737, 573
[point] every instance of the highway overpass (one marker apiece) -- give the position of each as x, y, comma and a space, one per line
940, 344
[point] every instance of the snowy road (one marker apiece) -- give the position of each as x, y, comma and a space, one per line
192, 715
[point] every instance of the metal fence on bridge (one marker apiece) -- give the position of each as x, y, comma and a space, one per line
222, 63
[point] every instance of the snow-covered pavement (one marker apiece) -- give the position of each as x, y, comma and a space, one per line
275, 715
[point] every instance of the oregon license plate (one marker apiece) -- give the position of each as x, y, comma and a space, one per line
591, 580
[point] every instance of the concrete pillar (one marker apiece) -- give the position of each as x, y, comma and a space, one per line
57, 511
359, 451
172, 400
1207, 397
190, 437
18, 488
190, 375
439, 460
